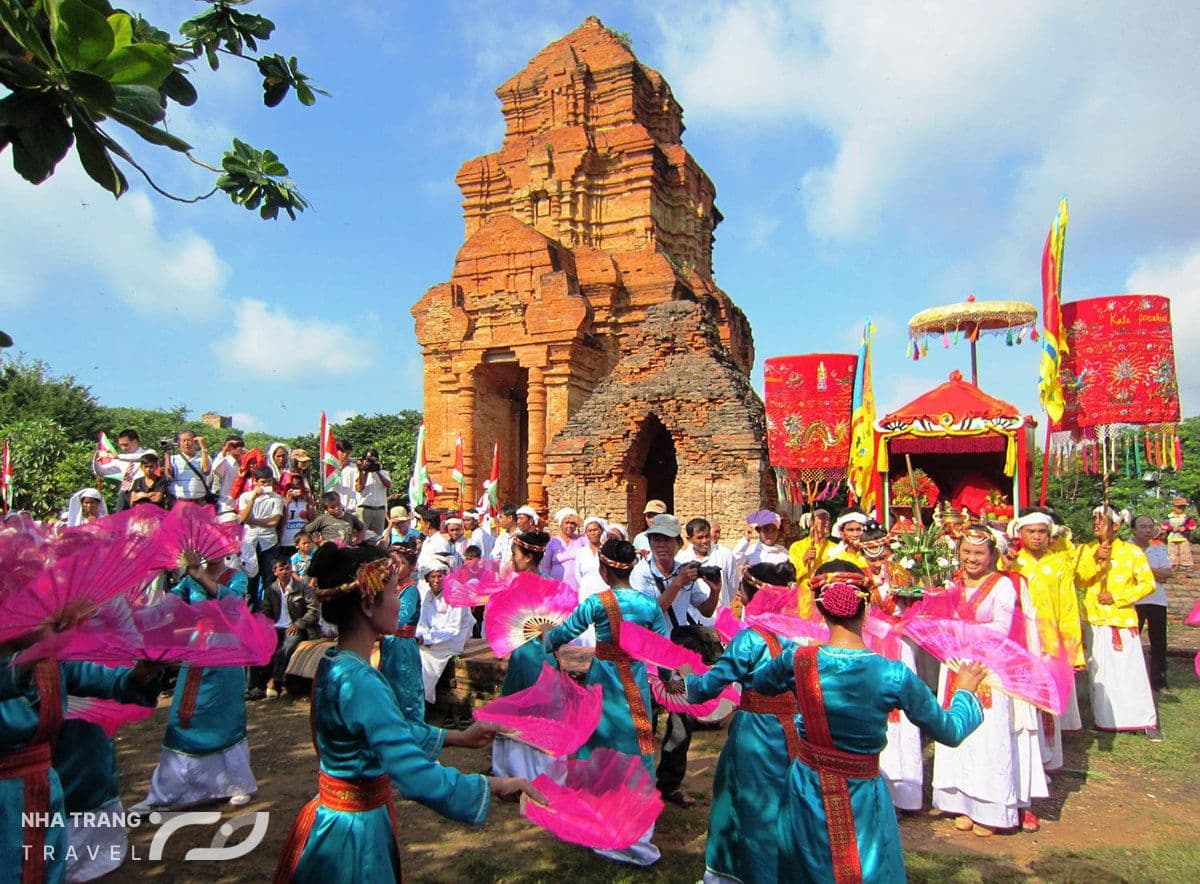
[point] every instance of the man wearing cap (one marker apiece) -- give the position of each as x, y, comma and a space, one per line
399, 528
1115, 575
806, 555
1178, 527
848, 531
676, 588
477, 535
1051, 579
641, 542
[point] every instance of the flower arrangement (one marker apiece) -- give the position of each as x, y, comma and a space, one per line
927, 555
903, 492
997, 506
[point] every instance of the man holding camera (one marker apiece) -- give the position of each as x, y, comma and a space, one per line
677, 587
225, 471
371, 484
714, 561
187, 469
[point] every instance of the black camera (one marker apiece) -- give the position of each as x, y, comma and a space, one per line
166, 444
708, 572
370, 465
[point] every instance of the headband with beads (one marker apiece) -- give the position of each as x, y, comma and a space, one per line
527, 546
369, 580
614, 564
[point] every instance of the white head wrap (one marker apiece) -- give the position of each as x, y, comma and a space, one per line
595, 520
75, 506
846, 518
564, 513
1030, 519
527, 510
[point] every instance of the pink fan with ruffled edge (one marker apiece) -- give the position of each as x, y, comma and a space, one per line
791, 626
606, 802
1193, 618
729, 697
520, 613
727, 625
190, 534
77, 585
881, 633
772, 599
1013, 669
108, 714
218, 632
473, 584
554, 714
650, 647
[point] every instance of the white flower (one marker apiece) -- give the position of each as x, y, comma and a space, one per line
943, 563
906, 562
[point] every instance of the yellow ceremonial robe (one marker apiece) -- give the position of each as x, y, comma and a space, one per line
1051, 582
1129, 579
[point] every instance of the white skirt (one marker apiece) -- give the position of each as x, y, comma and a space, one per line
433, 663
1071, 719
182, 780
640, 853
512, 758
901, 761
1050, 740
1121, 696
99, 848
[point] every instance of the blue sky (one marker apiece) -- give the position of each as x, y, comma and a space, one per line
868, 160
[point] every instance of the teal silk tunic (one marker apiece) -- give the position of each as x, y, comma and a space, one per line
400, 658
751, 773
362, 734
860, 689
219, 719
525, 666
616, 729
18, 721
86, 760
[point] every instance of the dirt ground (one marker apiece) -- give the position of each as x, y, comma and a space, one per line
1099, 802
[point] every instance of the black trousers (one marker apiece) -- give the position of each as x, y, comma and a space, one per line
1155, 617
672, 763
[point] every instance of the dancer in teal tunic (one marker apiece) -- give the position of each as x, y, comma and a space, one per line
399, 654
30, 720
366, 747
837, 822
86, 760
625, 723
205, 754
751, 773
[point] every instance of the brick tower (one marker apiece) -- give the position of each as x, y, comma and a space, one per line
581, 328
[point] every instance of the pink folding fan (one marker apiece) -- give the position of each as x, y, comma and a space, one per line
650, 647
520, 613
189, 535
473, 584
606, 802
554, 714
108, 714
727, 625
679, 703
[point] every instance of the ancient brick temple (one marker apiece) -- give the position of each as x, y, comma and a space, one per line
581, 328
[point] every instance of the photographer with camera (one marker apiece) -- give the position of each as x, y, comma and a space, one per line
715, 562
371, 484
187, 468
678, 587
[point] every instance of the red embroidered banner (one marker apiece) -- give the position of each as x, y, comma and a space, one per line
1120, 363
809, 399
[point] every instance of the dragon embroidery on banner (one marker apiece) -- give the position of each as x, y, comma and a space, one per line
800, 436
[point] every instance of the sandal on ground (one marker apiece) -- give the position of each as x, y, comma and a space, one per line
272, 693
982, 831
680, 797
963, 823
1030, 822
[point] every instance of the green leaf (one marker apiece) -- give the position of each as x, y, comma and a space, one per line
83, 37
121, 26
95, 91
95, 159
142, 64
20, 23
37, 129
151, 133
142, 102
305, 95
22, 74
179, 88
274, 91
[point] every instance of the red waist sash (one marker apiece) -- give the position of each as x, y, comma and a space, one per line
847, 765
784, 706
346, 796
406, 632
31, 765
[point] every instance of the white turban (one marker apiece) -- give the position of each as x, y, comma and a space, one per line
1028, 519
564, 513
846, 518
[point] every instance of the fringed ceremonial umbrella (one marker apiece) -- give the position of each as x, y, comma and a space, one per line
970, 319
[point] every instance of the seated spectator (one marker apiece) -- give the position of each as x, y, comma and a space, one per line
399, 529
335, 523
151, 487
292, 604
443, 628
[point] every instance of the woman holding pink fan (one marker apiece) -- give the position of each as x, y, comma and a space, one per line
836, 819
625, 723
752, 770
989, 780
349, 832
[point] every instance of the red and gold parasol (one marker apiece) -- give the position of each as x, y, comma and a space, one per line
970, 319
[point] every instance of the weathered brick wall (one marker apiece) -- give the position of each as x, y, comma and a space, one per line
1183, 589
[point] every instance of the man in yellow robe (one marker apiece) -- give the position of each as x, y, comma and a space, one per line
848, 531
1115, 575
807, 554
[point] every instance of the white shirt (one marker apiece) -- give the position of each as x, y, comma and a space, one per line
186, 483
502, 549
349, 479
1156, 555
266, 505
721, 558
123, 468
293, 521
485, 540
373, 493
442, 626
759, 552
224, 471
692, 594
437, 544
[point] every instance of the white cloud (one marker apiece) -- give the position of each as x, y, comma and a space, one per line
1177, 277
926, 106
69, 234
247, 422
269, 344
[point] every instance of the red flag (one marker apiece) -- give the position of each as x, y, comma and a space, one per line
491, 488
6, 477
458, 474
330, 468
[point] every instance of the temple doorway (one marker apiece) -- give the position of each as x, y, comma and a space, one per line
652, 467
502, 402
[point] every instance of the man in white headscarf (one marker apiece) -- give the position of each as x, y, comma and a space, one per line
443, 629
848, 531
1115, 575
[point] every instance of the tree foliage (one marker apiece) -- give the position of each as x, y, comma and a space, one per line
48, 465
81, 72
28, 391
